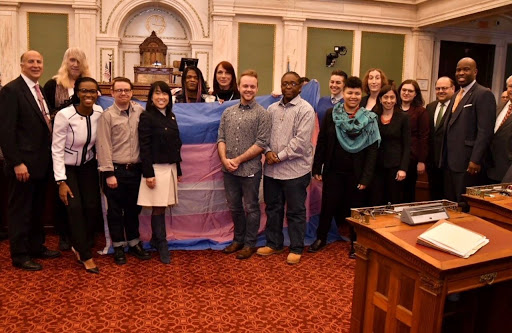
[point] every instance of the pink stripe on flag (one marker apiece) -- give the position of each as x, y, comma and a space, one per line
200, 162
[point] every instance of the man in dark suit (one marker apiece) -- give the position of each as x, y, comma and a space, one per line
25, 139
445, 88
500, 155
468, 132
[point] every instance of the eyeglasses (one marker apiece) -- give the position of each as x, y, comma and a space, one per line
442, 88
120, 91
88, 91
291, 84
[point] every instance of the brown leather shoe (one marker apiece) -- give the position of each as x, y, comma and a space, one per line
267, 250
293, 258
234, 247
246, 252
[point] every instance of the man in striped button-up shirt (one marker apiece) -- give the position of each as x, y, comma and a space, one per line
287, 172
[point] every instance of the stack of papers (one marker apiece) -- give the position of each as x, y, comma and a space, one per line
451, 238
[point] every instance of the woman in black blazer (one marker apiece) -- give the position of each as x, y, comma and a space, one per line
160, 147
394, 150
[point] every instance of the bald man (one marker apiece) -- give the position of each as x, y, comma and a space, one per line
445, 88
469, 127
25, 140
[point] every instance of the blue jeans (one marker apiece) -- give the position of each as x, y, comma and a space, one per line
246, 221
292, 192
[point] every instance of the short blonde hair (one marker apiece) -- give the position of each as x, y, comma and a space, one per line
62, 76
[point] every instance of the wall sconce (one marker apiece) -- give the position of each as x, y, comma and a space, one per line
330, 59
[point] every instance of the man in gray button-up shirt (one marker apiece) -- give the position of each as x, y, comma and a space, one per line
289, 159
244, 132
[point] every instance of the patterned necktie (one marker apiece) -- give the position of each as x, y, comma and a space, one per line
41, 104
457, 99
509, 111
440, 115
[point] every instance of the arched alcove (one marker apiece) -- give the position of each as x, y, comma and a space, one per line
138, 22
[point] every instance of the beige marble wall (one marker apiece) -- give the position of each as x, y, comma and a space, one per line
9, 46
102, 27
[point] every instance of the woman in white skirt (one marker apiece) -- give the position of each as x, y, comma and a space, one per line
160, 147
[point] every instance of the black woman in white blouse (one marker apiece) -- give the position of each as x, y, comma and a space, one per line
75, 167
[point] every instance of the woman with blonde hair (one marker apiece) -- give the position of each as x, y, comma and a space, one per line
59, 89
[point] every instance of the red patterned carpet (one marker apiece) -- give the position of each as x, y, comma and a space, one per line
201, 291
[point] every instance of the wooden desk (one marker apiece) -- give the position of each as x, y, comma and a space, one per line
497, 209
151, 74
401, 286
140, 91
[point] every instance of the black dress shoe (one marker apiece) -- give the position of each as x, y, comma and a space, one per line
47, 254
352, 254
119, 257
234, 247
139, 252
28, 265
246, 252
317, 246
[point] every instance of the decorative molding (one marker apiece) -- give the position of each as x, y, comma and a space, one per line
109, 15
124, 60
431, 284
207, 63
205, 35
361, 250
41, 13
161, 11
102, 65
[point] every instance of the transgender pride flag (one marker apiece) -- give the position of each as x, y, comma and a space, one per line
201, 219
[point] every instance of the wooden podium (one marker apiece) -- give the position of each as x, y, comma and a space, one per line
401, 286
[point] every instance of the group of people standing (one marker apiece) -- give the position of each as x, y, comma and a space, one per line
370, 150
460, 140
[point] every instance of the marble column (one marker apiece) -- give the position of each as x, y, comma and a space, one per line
85, 30
423, 43
9, 46
293, 47
223, 41
499, 77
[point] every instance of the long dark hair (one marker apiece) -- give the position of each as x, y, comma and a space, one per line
379, 109
164, 87
229, 68
74, 98
418, 99
201, 85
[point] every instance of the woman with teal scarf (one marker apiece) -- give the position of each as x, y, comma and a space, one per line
345, 158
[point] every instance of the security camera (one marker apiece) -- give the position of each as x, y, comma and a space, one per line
340, 50
330, 59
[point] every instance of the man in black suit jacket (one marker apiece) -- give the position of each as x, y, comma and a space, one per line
25, 139
500, 157
445, 88
468, 132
